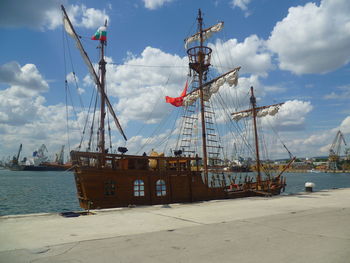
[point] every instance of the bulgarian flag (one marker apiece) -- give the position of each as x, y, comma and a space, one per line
101, 34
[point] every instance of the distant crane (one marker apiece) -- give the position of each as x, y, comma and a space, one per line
334, 151
15, 159
60, 156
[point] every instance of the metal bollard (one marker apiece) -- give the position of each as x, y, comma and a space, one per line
309, 186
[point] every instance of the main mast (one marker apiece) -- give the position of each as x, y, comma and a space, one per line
201, 70
102, 75
199, 62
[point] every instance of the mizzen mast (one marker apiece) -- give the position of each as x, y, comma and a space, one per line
256, 112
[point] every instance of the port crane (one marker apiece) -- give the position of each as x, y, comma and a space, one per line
334, 151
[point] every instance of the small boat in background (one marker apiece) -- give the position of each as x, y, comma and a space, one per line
313, 171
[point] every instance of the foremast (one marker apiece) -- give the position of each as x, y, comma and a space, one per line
102, 75
99, 80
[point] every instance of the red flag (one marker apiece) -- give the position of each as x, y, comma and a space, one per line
177, 102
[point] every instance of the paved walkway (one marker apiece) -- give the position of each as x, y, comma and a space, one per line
301, 228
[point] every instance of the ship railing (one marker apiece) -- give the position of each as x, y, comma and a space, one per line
127, 162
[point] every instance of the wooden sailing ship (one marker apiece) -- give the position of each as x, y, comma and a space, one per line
106, 180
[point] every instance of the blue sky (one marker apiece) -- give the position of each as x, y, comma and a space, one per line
294, 51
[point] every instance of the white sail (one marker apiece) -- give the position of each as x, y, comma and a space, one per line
240, 115
68, 27
70, 30
237, 116
230, 78
191, 98
207, 33
273, 110
269, 110
262, 113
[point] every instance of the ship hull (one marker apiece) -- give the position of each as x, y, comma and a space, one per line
129, 180
44, 168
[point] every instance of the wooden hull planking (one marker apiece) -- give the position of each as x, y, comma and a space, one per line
113, 185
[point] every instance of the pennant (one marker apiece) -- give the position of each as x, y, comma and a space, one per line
177, 102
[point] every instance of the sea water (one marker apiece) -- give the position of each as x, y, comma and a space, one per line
24, 192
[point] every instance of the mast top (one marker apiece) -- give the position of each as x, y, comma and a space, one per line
200, 15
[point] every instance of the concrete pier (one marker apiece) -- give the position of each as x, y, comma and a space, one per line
310, 227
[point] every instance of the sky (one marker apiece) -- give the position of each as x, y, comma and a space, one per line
296, 52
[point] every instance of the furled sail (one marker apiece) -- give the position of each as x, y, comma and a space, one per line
207, 33
230, 78
260, 112
70, 30
241, 115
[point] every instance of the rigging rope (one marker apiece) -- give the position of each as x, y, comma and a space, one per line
65, 89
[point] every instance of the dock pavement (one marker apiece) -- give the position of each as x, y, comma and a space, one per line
306, 227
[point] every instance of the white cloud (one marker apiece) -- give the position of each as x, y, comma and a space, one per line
154, 4
311, 145
242, 4
87, 17
343, 94
43, 14
142, 83
40, 124
312, 38
318, 143
251, 55
291, 116
275, 89
18, 110
345, 126
19, 104
23, 116
87, 81
26, 79
72, 78
32, 14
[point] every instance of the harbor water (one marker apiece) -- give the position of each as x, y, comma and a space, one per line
25, 192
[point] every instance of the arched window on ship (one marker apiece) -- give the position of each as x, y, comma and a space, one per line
109, 188
139, 188
160, 188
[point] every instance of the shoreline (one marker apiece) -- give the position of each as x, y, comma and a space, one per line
97, 211
318, 171
316, 223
